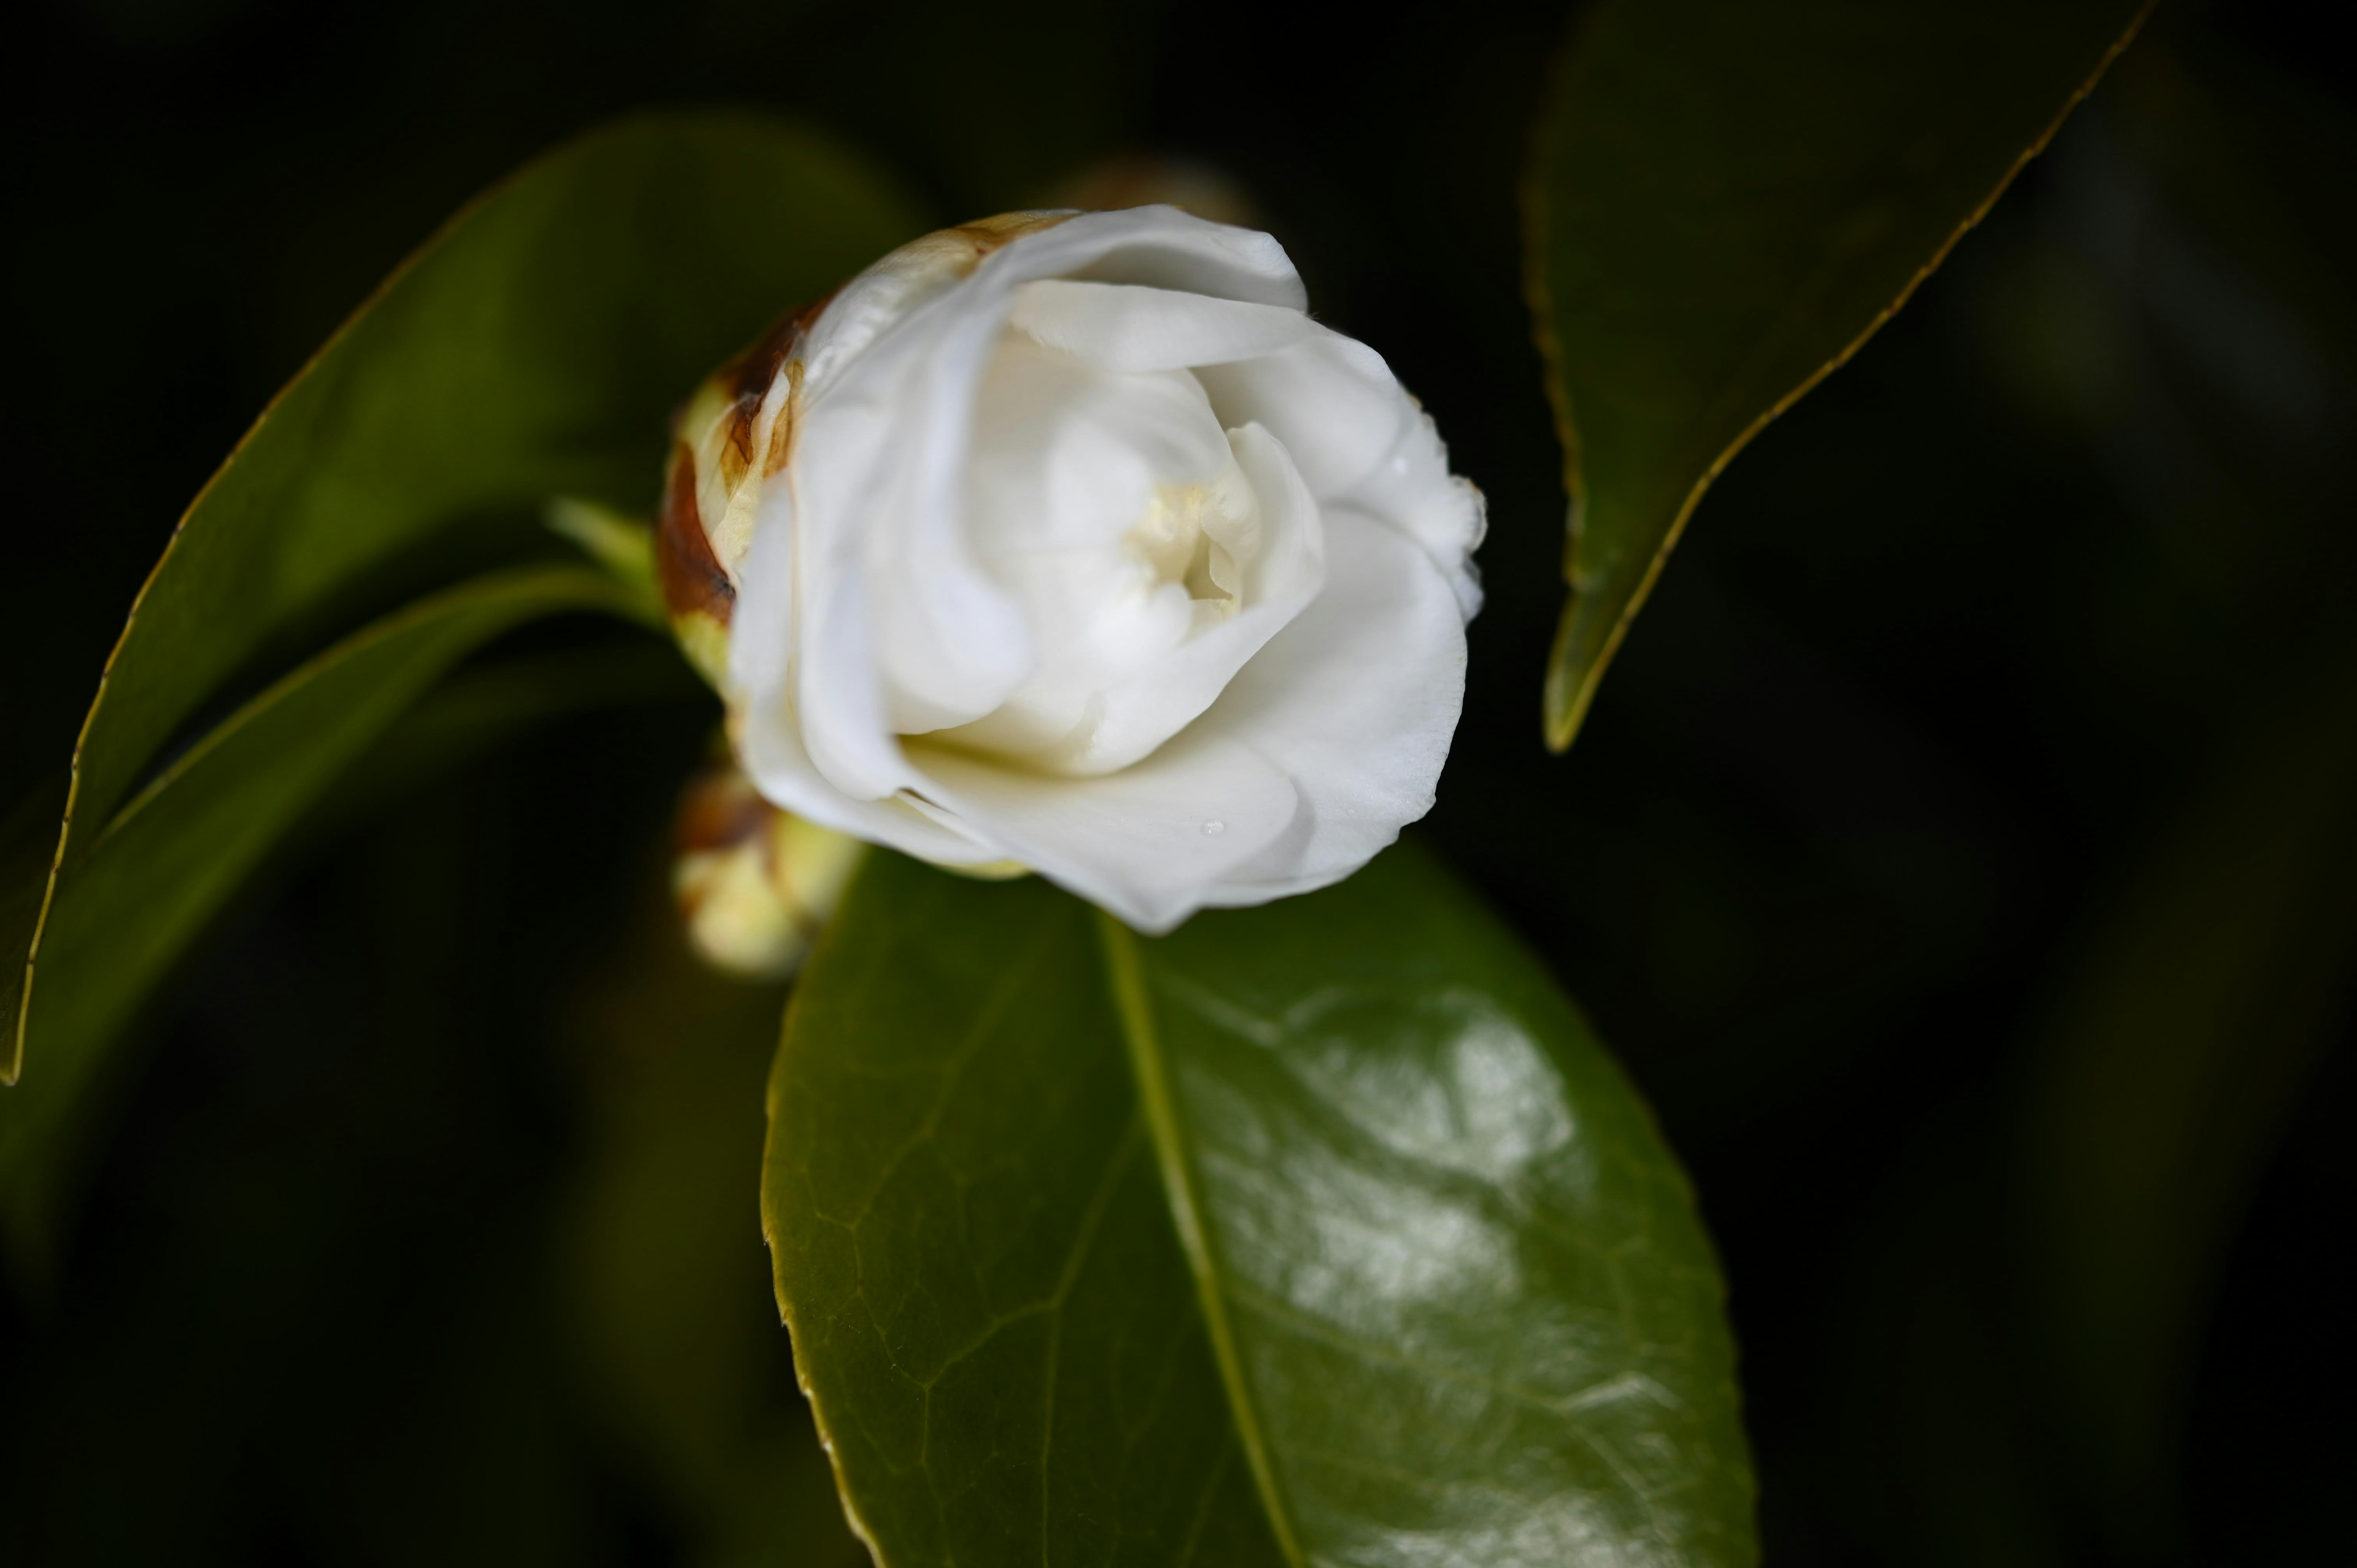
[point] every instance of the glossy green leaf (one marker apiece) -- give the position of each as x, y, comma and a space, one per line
1726, 200
1323, 1232
534, 349
145, 887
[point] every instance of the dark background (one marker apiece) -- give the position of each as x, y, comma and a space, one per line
1954, 856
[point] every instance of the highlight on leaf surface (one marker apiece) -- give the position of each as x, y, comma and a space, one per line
1318, 1232
1725, 201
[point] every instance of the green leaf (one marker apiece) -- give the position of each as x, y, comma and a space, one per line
492, 703
145, 887
28, 841
624, 545
679, 1355
1726, 200
533, 348
2208, 993
1320, 1232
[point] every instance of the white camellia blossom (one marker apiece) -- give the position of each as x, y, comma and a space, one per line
1070, 542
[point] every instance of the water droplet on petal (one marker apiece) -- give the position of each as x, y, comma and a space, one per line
1214, 830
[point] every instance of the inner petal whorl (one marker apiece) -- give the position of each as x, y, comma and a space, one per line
1180, 536
1109, 507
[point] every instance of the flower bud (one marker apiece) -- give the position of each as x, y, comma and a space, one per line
1070, 542
754, 883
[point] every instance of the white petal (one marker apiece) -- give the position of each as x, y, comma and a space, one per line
1067, 459
1067, 454
1356, 701
877, 476
771, 748
881, 454
1360, 440
1159, 247
1153, 247
761, 627
1137, 715
1147, 844
893, 288
1330, 399
835, 695
1123, 327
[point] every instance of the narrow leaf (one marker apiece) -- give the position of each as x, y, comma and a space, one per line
489, 706
28, 841
144, 889
1323, 1232
533, 348
1726, 200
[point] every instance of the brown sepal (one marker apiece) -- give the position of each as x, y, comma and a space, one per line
692, 580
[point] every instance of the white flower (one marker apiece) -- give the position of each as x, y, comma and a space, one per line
1070, 542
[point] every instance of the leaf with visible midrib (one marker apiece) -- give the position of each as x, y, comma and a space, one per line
1321, 1232
1725, 199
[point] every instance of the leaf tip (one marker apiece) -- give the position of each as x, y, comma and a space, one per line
1575, 666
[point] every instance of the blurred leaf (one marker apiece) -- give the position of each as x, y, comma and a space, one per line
621, 543
2244, 148
677, 1341
331, 1200
2209, 990
915, 73
533, 348
1322, 1231
492, 703
2216, 242
143, 891
1726, 200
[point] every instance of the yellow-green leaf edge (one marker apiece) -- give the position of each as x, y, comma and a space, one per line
16, 1064
1569, 691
